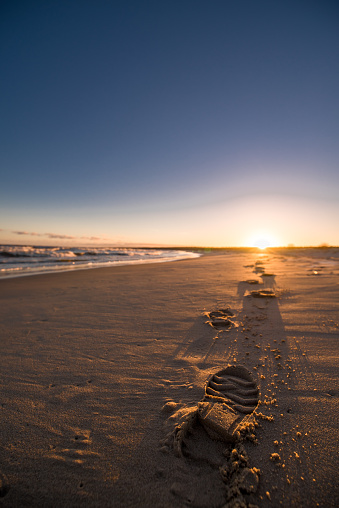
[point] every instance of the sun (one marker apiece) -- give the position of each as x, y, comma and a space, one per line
262, 241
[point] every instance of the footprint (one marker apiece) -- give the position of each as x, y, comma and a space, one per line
259, 269
230, 394
220, 318
252, 281
198, 434
263, 293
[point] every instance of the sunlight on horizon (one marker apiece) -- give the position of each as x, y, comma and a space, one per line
262, 241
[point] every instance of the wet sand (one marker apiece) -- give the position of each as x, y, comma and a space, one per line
99, 368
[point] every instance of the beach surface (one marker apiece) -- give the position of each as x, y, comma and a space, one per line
100, 368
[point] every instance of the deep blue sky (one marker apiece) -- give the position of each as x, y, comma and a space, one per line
178, 122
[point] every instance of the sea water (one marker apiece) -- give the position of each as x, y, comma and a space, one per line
19, 260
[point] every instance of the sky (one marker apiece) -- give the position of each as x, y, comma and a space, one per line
181, 122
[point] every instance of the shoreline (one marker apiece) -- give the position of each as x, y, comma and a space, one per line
52, 265
75, 269
89, 359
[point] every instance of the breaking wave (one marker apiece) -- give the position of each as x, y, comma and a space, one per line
18, 260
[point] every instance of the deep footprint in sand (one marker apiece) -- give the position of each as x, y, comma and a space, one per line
225, 415
230, 395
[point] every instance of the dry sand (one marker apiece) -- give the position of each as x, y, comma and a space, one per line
99, 367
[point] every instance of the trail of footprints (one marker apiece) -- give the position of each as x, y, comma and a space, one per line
228, 405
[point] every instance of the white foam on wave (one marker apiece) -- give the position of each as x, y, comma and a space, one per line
17, 261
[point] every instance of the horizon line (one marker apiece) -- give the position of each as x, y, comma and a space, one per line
176, 247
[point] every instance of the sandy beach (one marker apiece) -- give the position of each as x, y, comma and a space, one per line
100, 368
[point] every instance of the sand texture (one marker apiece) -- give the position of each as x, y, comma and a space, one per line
208, 383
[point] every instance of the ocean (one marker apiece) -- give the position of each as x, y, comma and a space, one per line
20, 260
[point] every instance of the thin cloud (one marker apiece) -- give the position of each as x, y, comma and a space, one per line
26, 233
55, 236
60, 237
90, 238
